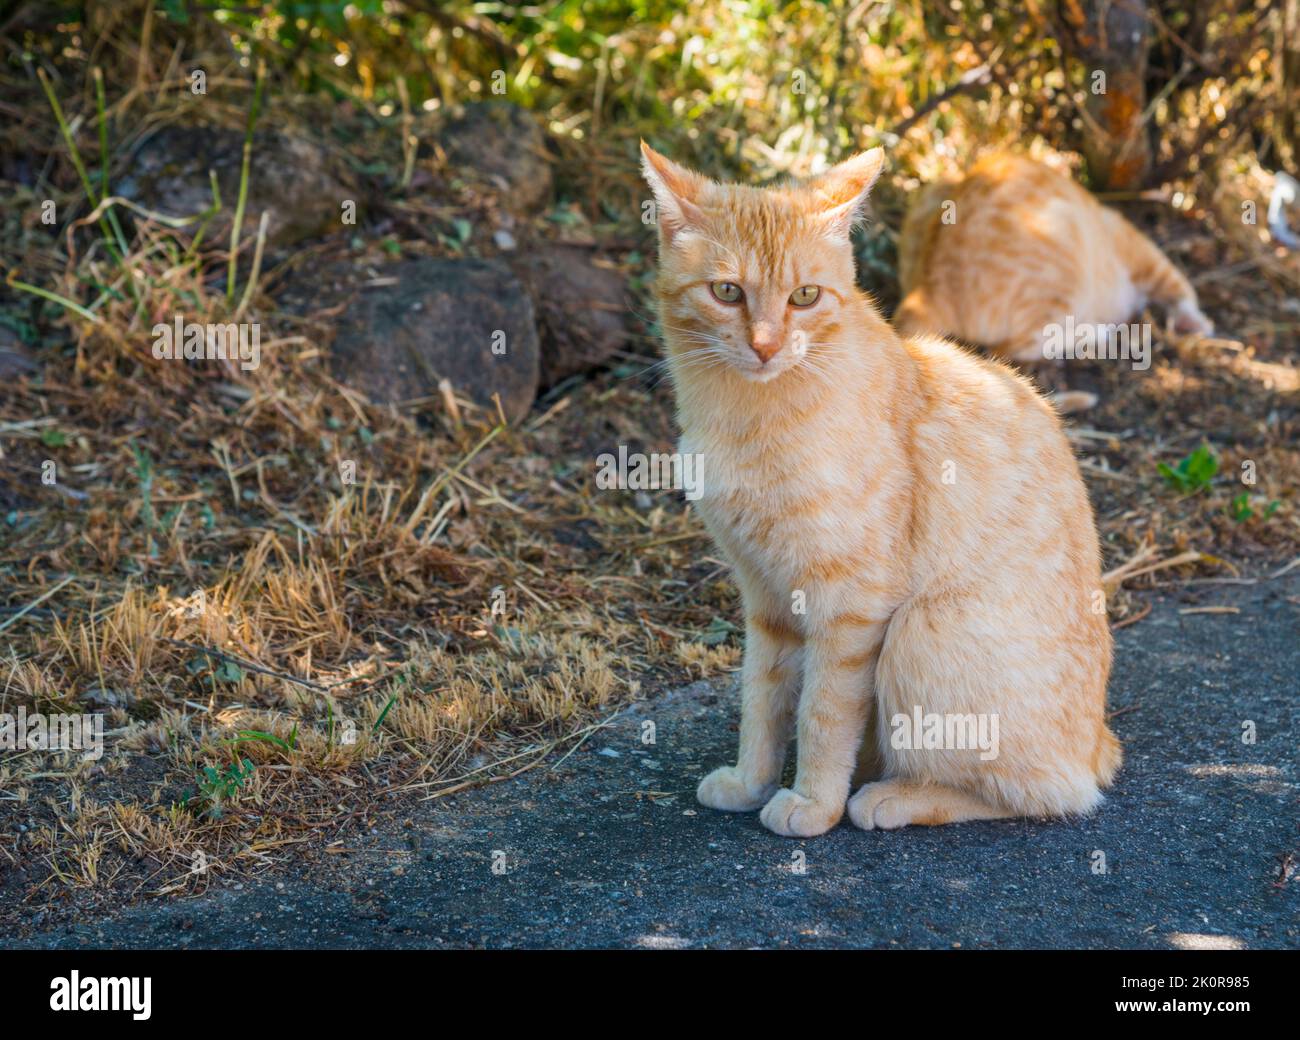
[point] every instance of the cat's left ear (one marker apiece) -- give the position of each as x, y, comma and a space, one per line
841, 192
677, 191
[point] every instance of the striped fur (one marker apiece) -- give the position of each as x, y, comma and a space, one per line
906, 523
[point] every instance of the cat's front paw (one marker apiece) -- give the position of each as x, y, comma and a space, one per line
794, 816
724, 789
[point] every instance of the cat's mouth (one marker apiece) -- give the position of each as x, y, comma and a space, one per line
765, 371
762, 374
747, 365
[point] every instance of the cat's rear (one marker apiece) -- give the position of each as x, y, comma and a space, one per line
995, 257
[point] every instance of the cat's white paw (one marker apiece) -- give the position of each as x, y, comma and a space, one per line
876, 806
724, 789
794, 816
1068, 402
1188, 320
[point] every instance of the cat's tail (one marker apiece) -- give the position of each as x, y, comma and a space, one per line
1155, 275
1110, 755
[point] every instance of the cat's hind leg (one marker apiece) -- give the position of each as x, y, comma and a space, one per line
1159, 279
993, 710
871, 762
889, 804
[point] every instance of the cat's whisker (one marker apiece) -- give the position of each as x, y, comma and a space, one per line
685, 359
697, 335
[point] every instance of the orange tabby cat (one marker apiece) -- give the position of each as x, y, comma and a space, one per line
1013, 247
905, 520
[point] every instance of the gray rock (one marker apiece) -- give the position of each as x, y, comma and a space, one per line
505, 145
296, 180
423, 320
580, 309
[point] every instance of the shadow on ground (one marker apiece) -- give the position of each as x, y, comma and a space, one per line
608, 848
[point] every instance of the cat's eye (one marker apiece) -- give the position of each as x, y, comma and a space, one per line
805, 295
727, 292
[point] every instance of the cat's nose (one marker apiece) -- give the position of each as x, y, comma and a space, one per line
764, 342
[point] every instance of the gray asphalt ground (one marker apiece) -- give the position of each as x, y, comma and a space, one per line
609, 849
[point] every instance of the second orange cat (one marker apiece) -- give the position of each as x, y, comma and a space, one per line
1013, 248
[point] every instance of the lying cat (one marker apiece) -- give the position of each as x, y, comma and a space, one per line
905, 520
1013, 247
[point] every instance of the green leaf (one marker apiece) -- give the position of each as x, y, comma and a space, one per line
1241, 509
719, 631
257, 734
383, 714
1202, 465
1171, 475
1193, 472
229, 672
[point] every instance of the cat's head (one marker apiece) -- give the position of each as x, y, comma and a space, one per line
756, 281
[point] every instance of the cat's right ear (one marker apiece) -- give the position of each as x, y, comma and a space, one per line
677, 191
842, 191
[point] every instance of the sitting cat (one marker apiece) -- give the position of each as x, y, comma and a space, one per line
1013, 247
905, 520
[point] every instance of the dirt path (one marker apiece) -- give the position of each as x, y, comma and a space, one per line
610, 849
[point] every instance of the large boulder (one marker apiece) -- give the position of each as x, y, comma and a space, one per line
504, 145
294, 179
581, 308
408, 325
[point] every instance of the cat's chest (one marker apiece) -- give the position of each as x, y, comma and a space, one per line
781, 511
